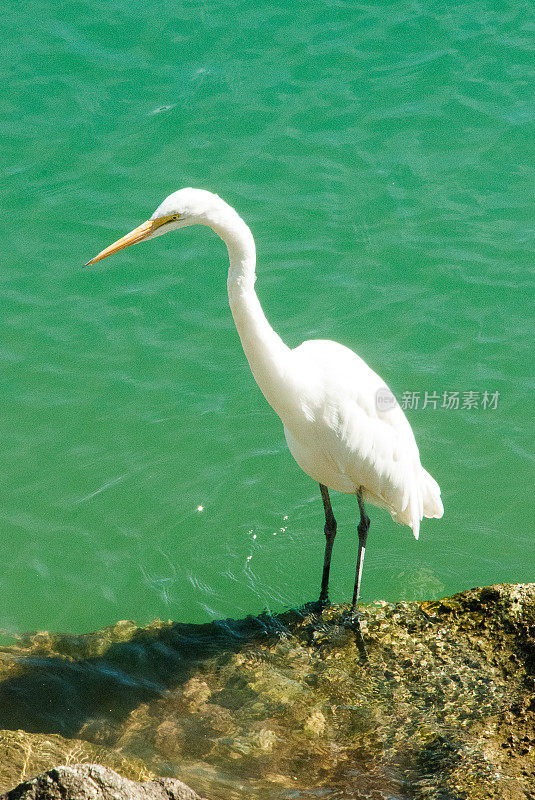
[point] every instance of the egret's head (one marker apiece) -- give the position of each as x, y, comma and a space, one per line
180, 209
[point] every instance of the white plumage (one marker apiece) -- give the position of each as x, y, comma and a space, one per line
341, 439
325, 395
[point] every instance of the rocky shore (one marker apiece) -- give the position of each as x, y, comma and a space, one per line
95, 782
431, 700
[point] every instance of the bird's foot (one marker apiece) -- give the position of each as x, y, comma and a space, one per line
318, 606
353, 618
352, 622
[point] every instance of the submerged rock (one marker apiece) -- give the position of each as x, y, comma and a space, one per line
95, 782
431, 700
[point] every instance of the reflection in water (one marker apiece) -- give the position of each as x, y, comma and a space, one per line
288, 706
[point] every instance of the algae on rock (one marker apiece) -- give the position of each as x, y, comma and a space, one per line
24, 755
441, 705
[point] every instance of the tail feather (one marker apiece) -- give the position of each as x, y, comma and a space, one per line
422, 499
431, 494
414, 510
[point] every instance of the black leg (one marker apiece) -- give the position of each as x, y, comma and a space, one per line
363, 528
330, 533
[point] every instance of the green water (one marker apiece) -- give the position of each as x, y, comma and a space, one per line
382, 154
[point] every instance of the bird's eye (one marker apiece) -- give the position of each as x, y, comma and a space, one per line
175, 217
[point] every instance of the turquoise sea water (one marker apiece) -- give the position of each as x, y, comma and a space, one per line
382, 154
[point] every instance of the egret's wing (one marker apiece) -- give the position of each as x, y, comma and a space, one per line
373, 446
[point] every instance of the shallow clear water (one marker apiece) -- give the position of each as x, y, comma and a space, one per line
382, 155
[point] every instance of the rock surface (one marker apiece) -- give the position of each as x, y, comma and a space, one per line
95, 782
434, 701
23, 755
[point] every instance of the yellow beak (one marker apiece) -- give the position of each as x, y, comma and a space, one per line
135, 236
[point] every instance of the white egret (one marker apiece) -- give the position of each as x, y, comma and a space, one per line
341, 422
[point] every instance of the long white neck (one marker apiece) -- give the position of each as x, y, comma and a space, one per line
268, 356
